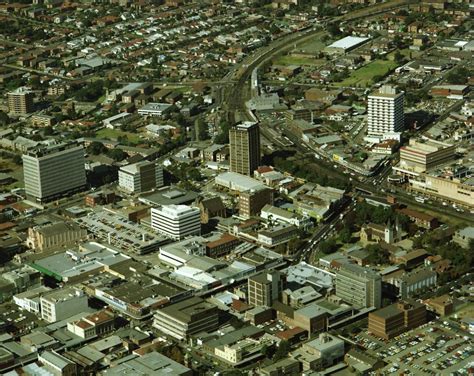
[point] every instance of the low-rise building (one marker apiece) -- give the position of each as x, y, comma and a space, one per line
54, 235
61, 304
320, 353
397, 318
187, 317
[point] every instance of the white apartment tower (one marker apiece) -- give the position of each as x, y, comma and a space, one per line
176, 221
54, 171
385, 112
140, 177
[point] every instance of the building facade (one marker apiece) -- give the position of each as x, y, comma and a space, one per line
62, 304
176, 221
20, 101
425, 154
41, 238
397, 318
359, 286
385, 112
54, 171
251, 202
187, 317
140, 177
264, 288
244, 142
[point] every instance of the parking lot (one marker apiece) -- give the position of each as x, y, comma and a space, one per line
432, 349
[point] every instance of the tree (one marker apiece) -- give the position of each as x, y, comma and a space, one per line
4, 119
201, 129
328, 246
399, 58
17, 159
117, 154
345, 235
282, 350
96, 148
48, 131
458, 76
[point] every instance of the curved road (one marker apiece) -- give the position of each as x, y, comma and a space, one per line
234, 97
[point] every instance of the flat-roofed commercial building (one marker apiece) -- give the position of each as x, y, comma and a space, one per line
140, 177
187, 317
385, 112
152, 363
20, 101
244, 140
54, 171
62, 304
424, 154
359, 286
397, 318
176, 221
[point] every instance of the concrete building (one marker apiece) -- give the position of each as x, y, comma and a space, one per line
20, 101
176, 221
62, 304
140, 177
54, 235
397, 318
359, 286
464, 236
385, 112
425, 154
54, 171
251, 202
187, 317
244, 142
264, 288
320, 353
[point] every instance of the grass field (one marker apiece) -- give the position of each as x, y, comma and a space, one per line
312, 47
297, 60
113, 134
363, 76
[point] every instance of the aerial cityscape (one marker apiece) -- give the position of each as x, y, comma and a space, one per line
236, 188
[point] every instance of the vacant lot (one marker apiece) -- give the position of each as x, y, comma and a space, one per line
113, 134
363, 76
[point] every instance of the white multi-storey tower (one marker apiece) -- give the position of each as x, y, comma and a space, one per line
385, 112
176, 221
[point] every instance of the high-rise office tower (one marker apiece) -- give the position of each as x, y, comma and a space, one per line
359, 286
140, 177
54, 171
20, 101
264, 288
176, 221
244, 148
385, 112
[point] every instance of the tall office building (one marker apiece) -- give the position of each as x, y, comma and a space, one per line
140, 177
359, 286
385, 112
176, 221
54, 171
264, 288
244, 142
20, 101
